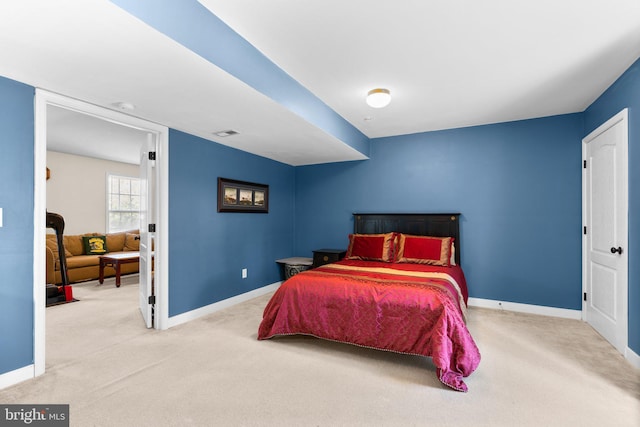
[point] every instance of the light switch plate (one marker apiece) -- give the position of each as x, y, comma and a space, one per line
0, 217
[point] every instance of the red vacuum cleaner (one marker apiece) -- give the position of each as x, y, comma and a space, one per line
60, 292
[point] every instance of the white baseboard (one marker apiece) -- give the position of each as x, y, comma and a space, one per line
525, 308
17, 376
216, 306
632, 357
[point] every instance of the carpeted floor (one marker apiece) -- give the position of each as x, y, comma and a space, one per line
536, 371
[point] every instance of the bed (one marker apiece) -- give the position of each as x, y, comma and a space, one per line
400, 288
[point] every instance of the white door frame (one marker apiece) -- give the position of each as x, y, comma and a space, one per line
622, 116
42, 100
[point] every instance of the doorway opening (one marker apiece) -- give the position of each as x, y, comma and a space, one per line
47, 105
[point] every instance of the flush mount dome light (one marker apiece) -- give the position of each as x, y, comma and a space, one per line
378, 98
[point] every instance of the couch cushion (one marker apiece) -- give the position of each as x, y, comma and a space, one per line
74, 244
52, 243
83, 261
116, 241
132, 242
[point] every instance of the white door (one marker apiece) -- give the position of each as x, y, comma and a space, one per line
605, 212
147, 211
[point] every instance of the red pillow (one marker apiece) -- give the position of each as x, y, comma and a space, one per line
371, 247
424, 250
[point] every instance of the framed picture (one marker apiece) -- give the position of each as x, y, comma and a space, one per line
242, 196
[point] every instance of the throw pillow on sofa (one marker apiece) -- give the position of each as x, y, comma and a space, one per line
95, 245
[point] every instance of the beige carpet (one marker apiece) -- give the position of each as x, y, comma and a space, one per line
536, 371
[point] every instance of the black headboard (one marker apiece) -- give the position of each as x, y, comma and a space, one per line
424, 224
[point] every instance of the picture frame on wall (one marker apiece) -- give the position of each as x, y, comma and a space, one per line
242, 196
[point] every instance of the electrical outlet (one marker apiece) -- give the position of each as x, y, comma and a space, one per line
244, 273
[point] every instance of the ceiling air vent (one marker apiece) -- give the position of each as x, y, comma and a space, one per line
224, 133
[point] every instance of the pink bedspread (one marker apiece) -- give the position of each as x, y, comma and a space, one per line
405, 308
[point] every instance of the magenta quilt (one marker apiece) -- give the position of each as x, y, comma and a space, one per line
404, 308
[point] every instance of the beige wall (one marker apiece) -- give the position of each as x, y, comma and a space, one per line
77, 190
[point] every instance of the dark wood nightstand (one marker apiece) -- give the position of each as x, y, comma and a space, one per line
326, 256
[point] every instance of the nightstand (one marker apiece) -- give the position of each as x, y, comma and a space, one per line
294, 265
326, 256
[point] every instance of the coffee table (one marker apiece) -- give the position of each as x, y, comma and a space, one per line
115, 261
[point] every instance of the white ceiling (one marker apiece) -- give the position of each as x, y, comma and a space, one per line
447, 64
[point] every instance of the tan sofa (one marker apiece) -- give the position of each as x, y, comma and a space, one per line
81, 267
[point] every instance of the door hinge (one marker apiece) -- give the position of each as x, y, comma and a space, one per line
152, 155
152, 299
584, 296
152, 228
584, 230
584, 163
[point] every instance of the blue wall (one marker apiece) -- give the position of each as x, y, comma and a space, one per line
208, 249
625, 93
16, 234
517, 185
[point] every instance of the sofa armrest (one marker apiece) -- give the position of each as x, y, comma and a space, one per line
51, 276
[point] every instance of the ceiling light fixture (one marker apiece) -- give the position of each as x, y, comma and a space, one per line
378, 98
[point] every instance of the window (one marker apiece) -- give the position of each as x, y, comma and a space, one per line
123, 203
